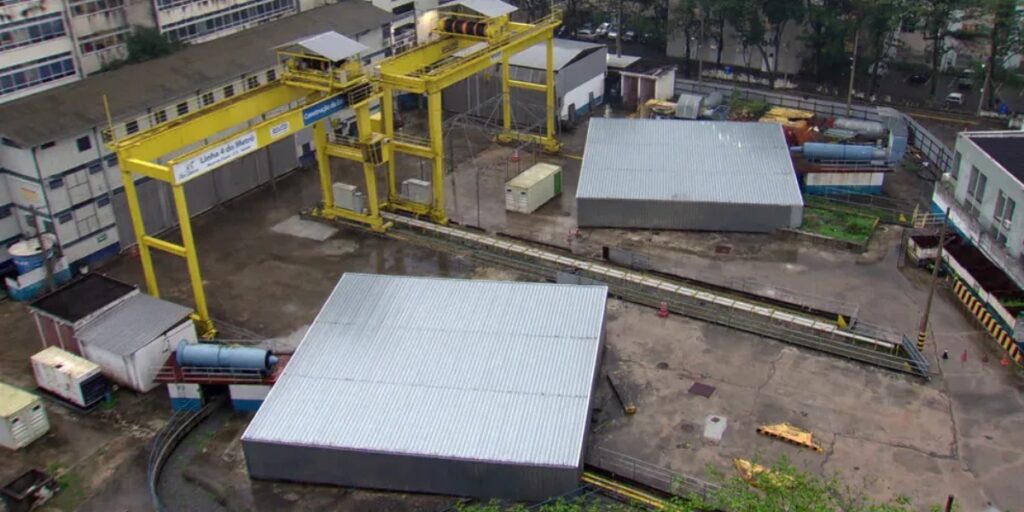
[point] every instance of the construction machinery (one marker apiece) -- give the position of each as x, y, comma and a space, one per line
790, 434
323, 75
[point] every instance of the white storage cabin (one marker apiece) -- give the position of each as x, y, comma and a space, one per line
22, 417
70, 377
533, 187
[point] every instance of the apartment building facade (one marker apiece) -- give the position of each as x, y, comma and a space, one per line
57, 173
45, 44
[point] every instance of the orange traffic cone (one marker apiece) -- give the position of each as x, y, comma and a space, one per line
1005, 361
663, 310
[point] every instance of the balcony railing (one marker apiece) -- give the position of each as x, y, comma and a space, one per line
980, 233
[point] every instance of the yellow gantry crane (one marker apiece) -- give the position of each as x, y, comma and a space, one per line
323, 75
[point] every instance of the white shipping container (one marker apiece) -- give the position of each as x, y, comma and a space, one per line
22, 417
533, 187
70, 377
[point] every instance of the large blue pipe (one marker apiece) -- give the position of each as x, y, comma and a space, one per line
209, 355
841, 152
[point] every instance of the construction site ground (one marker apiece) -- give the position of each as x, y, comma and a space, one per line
886, 433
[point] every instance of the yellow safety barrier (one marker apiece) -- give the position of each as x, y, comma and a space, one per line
989, 322
623, 491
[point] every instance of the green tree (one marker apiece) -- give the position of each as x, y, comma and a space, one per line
146, 43
686, 22
1003, 35
882, 19
938, 18
827, 31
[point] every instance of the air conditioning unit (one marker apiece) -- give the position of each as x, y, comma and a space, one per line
417, 191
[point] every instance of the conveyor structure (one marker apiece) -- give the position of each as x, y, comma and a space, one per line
862, 343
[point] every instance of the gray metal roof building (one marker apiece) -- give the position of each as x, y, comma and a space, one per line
473, 388
699, 175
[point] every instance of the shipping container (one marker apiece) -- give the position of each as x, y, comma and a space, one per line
22, 417
70, 377
533, 187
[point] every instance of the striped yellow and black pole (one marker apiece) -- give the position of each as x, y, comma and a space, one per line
922, 333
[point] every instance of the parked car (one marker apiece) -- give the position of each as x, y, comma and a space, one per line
883, 69
955, 98
629, 35
918, 78
585, 34
602, 29
964, 83
613, 32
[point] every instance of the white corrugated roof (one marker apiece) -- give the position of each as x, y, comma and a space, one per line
133, 324
330, 45
688, 161
565, 50
455, 369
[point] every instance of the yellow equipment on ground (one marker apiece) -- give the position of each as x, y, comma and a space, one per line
790, 434
322, 75
750, 472
654, 107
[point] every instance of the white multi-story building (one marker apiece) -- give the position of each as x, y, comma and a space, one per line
37, 50
53, 160
45, 44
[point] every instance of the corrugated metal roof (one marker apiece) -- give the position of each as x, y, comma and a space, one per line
14, 399
565, 50
65, 362
331, 45
72, 109
132, 324
688, 161
456, 369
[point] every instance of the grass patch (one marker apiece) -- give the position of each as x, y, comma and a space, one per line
845, 226
72, 489
883, 214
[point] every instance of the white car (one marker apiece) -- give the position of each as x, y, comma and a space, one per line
602, 29
955, 98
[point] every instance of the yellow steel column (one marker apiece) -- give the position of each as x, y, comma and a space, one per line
551, 90
369, 169
323, 163
437, 212
139, 225
506, 95
204, 323
387, 112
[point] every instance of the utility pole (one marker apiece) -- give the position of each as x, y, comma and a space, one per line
853, 69
618, 32
984, 85
700, 50
922, 332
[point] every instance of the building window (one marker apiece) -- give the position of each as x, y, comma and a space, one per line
1004, 210
57, 183
5, 211
160, 116
104, 41
234, 17
207, 99
976, 185
31, 31
271, 75
229, 91
39, 71
956, 166
111, 160
47, 145
86, 7
252, 82
131, 127
95, 167
84, 143
10, 143
182, 108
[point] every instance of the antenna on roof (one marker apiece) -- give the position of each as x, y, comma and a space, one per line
110, 120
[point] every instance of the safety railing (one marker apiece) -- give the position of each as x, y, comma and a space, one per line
645, 473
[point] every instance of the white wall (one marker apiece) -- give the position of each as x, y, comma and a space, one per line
581, 95
665, 86
997, 180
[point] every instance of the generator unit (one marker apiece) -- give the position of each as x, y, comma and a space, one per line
22, 417
70, 377
417, 191
348, 197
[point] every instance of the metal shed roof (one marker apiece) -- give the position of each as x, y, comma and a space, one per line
72, 109
442, 368
330, 45
688, 161
566, 51
132, 324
